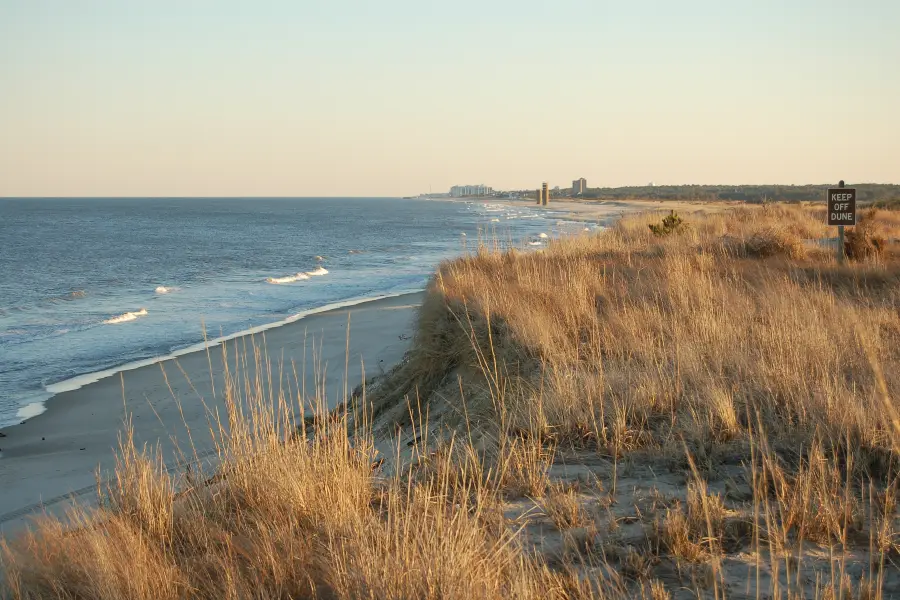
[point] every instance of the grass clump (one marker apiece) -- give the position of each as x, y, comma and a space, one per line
562, 505
864, 241
693, 531
774, 241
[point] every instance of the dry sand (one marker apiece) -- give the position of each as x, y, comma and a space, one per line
606, 211
603, 212
58, 452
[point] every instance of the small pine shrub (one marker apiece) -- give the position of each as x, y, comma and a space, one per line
668, 225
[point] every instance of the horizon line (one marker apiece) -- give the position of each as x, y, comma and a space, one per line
421, 194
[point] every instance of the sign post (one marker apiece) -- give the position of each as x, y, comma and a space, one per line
841, 212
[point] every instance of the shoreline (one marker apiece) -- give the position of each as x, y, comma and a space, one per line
58, 450
604, 212
173, 401
79, 381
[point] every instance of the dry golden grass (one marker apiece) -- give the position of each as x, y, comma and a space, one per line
625, 340
562, 505
289, 517
695, 531
732, 361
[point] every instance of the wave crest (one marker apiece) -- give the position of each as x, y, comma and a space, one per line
297, 276
124, 318
288, 279
165, 290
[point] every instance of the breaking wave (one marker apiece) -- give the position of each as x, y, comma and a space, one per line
129, 316
165, 290
288, 279
298, 276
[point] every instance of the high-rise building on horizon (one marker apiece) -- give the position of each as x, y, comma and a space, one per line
462, 191
545, 193
579, 186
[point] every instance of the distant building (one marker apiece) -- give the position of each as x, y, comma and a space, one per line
545, 193
465, 191
579, 186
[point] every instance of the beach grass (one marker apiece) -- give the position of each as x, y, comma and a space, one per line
701, 409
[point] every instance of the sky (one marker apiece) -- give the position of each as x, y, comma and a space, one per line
400, 97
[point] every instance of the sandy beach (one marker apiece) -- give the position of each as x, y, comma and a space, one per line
603, 212
58, 452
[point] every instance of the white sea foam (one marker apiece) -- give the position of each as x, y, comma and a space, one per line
165, 290
298, 276
543, 236
31, 410
495, 220
535, 243
124, 318
288, 279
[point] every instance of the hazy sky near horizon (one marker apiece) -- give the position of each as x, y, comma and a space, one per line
396, 97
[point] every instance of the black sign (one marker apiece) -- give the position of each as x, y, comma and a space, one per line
842, 206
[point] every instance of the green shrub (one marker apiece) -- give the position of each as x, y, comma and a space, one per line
669, 224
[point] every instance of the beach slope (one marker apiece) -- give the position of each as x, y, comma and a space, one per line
59, 452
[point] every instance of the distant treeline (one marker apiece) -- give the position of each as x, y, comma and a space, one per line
866, 193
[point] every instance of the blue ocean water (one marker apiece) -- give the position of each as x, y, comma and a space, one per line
91, 284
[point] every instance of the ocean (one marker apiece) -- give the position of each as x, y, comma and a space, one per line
89, 286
